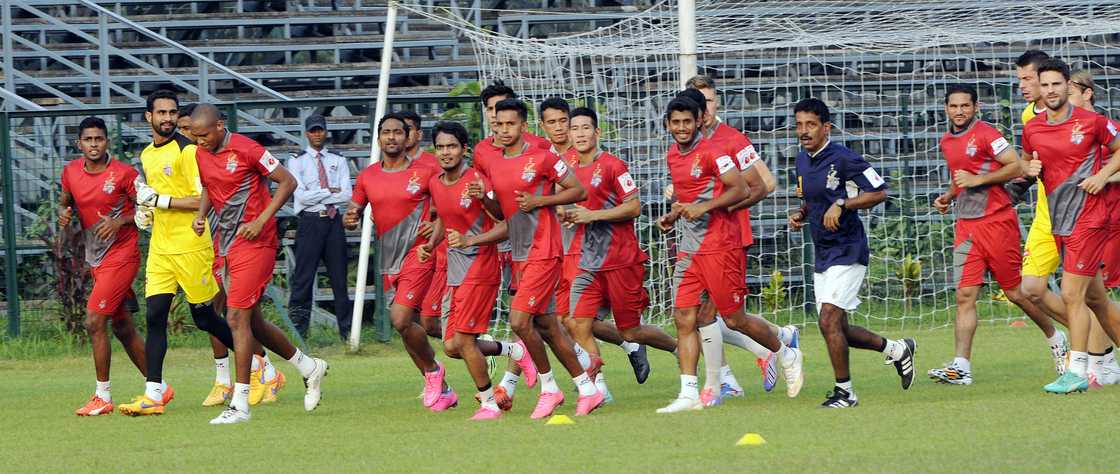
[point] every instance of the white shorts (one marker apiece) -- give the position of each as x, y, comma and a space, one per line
839, 286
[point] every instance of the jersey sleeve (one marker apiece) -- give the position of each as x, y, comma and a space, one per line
188, 168
623, 183
995, 141
261, 160
859, 171
359, 195
66, 180
555, 168
1027, 132
720, 163
130, 181
745, 152
1106, 132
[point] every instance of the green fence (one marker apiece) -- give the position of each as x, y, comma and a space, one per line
34, 146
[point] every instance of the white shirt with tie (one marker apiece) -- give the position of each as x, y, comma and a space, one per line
311, 197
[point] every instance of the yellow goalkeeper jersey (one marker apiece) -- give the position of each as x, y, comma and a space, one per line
170, 169
1041, 209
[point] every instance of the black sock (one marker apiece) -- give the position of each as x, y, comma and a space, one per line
483, 389
1094, 354
207, 320
843, 380
1107, 351
883, 347
155, 344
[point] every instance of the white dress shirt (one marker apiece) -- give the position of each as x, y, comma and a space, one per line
309, 196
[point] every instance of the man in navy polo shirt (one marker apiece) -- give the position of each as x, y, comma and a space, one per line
834, 182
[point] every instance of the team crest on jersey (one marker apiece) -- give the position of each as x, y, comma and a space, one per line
971, 148
110, 183
413, 184
529, 172
465, 198
833, 181
231, 162
695, 173
596, 176
167, 169
1076, 135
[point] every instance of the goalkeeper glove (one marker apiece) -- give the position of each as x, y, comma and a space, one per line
143, 217
146, 196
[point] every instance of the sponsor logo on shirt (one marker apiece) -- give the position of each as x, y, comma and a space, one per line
231, 162
413, 186
833, 181
970, 149
1076, 136
110, 183
695, 168
530, 171
597, 176
465, 198
167, 169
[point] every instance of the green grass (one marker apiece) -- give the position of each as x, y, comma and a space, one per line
370, 420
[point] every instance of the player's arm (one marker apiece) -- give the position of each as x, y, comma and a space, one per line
286, 184
1095, 183
498, 233
573, 192
199, 224
1009, 171
630, 209
424, 251
65, 212
942, 202
757, 188
353, 216
734, 190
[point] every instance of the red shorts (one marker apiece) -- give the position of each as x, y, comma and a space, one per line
717, 275
536, 288
1083, 250
983, 245
409, 287
248, 271
568, 271
433, 298
621, 289
471, 304
112, 284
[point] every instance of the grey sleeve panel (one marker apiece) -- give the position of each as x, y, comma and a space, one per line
394, 246
96, 249
972, 202
1067, 201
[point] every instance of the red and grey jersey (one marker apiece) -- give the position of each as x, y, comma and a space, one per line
486, 151
696, 178
568, 234
399, 200
108, 193
607, 245
735, 143
974, 150
236, 181
533, 235
1070, 151
460, 212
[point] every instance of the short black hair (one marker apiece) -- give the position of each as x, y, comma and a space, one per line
93, 122
585, 112
454, 129
557, 103
496, 89
513, 104
188, 109
1056, 65
695, 95
961, 89
813, 105
412, 117
393, 116
683, 104
1032, 56
162, 94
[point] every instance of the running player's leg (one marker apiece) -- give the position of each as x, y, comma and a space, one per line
1105, 325
125, 331
101, 402
687, 290
1040, 260
959, 371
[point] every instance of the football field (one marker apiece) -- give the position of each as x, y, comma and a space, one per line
371, 420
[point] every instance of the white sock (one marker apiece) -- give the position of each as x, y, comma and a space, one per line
102, 391
963, 364
222, 371
255, 363
548, 382
154, 391
487, 397
1079, 363
1095, 362
690, 387
726, 376
894, 349
509, 382
1109, 358
601, 383
847, 386
786, 356
1058, 339
241, 397
785, 335
514, 351
305, 364
630, 347
269, 369
711, 344
583, 356
740, 340
585, 385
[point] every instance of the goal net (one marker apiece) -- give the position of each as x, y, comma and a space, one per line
882, 67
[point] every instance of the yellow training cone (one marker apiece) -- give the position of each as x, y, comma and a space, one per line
560, 420
751, 439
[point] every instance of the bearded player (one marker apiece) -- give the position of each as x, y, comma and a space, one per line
100, 189
232, 169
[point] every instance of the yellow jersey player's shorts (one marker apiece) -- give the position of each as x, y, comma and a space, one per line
191, 271
1040, 253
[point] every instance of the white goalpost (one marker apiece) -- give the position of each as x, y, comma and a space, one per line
882, 67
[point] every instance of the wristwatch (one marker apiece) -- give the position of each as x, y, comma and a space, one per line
840, 203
